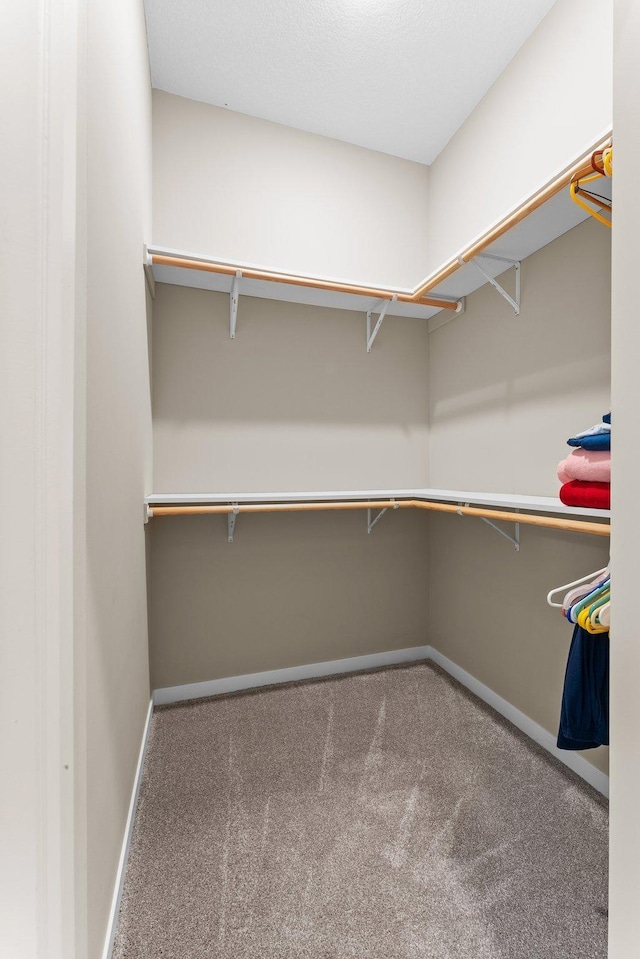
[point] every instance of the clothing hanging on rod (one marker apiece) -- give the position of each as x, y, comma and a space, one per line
584, 713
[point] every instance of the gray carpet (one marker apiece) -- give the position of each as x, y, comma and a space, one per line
380, 815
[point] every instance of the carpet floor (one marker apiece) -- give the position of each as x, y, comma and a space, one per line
379, 815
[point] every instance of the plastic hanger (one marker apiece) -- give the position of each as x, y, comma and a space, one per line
575, 189
577, 582
575, 595
585, 617
604, 615
588, 600
594, 612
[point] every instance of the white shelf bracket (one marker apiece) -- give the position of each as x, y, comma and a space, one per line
371, 523
380, 307
233, 306
231, 523
515, 303
515, 540
148, 513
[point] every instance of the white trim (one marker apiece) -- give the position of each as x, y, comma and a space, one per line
272, 677
126, 842
533, 730
230, 684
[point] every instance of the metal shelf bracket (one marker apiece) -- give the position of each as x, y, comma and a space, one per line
380, 307
515, 303
233, 306
515, 540
371, 523
231, 523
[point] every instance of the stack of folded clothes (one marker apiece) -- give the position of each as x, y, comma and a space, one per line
586, 472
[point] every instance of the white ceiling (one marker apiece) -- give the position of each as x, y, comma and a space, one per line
399, 76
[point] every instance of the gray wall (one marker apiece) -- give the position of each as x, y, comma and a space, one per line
489, 615
292, 589
295, 402
505, 393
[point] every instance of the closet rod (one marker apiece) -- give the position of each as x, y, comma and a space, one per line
162, 259
550, 522
581, 168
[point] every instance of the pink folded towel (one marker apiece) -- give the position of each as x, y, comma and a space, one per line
589, 466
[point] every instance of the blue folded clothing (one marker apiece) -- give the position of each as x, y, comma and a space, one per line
606, 418
597, 441
594, 430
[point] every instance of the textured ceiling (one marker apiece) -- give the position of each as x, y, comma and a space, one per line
398, 76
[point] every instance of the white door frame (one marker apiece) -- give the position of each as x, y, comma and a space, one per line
41, 369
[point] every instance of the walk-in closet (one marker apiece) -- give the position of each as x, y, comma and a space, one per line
320, 322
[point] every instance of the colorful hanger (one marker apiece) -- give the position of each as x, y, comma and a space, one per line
576, 192
576, 582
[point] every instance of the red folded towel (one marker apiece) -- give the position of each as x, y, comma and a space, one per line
588, 495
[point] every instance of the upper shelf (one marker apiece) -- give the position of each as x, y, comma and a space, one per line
550, 221
270, 290
514, 501
540, 219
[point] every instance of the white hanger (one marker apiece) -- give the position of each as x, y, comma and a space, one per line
577, 582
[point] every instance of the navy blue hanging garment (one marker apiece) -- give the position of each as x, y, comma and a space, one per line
584, 717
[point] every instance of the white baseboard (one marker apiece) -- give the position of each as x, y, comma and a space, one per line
533, 730
230, 684
126, 841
